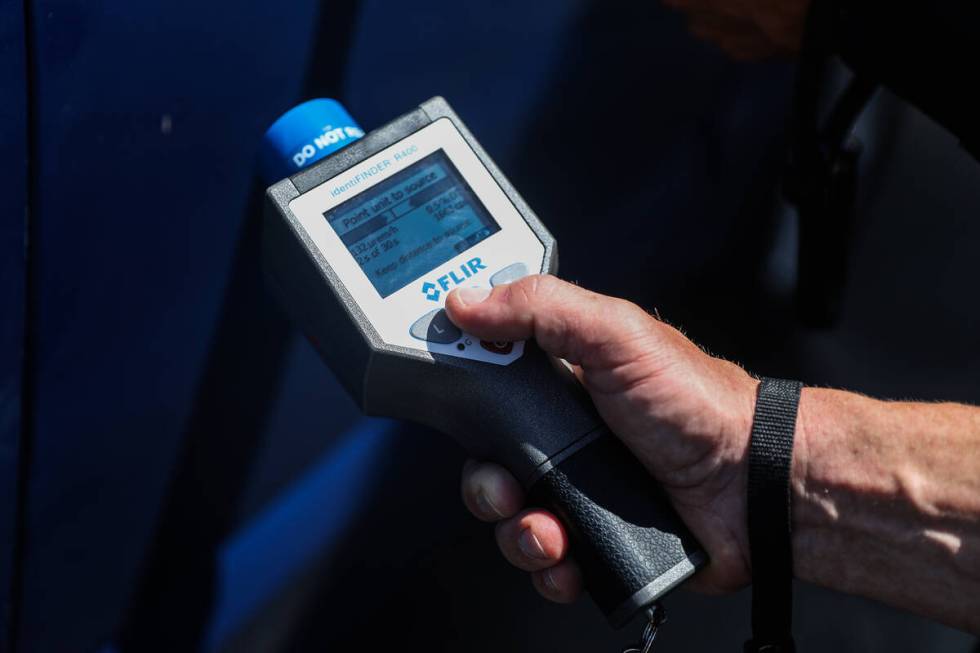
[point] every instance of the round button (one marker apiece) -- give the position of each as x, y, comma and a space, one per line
497, 347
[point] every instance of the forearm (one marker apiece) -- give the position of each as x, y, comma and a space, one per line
886, 502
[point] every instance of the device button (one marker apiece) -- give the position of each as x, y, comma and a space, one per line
512, 272
497, 347
435, 327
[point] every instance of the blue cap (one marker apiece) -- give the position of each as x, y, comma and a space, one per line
303, 135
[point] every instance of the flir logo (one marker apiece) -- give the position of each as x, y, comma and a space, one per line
455, 277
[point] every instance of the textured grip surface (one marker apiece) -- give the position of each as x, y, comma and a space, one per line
631, 545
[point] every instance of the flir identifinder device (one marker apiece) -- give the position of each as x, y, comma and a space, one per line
363, 246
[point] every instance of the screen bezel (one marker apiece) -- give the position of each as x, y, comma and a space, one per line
480, 213
390, 316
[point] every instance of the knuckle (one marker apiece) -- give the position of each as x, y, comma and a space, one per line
525, 292
544, 283
633, 318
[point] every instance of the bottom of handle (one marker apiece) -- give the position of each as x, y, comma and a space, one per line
629, 542
657, 588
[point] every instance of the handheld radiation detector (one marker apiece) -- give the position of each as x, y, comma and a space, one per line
362, 248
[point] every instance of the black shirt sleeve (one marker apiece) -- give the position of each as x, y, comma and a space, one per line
926, 51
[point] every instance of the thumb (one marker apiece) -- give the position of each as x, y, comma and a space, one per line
565, 320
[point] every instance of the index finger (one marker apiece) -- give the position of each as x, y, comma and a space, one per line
490, 492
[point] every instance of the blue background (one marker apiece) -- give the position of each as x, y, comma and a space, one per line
178, 471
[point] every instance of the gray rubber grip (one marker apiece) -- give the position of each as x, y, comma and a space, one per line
626, 537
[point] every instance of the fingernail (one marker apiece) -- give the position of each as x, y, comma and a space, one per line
486, 505
472, 295
549, 580
530, 545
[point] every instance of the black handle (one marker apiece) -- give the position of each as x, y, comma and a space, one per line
627, 538
525, 416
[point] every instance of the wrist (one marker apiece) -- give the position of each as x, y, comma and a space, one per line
822, 483
810, 510
800, 464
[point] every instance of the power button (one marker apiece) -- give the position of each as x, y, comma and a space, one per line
497, 347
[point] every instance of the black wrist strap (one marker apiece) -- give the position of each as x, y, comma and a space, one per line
770, 456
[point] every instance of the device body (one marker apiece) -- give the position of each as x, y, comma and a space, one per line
362, 248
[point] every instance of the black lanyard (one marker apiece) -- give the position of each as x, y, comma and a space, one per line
769, 515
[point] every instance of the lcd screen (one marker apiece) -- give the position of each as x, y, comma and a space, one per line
411, 223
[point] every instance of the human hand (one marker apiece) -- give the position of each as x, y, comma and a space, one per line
684, 414
747, 29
